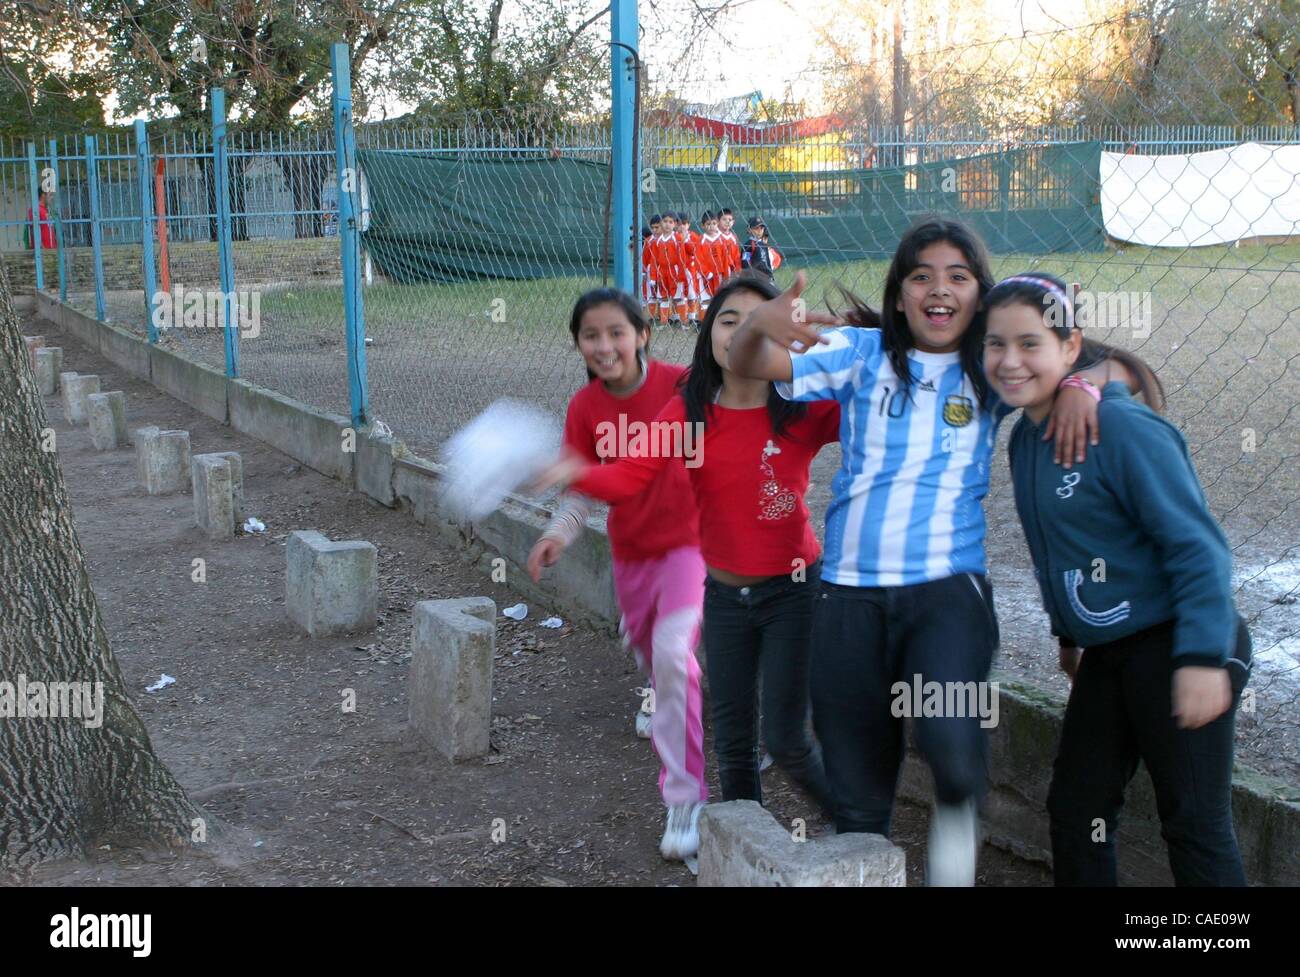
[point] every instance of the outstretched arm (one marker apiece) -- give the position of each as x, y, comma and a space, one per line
761, 346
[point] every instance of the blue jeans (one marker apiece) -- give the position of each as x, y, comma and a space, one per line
1120, 711
752, 634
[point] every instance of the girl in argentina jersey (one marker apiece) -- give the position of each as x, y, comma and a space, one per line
905, 601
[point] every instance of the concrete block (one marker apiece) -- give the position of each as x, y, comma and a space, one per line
214, 502
741, 844
452, 643
106, 414
331, 587
162, 460
49, 363
236, 482
33, 343
76, 388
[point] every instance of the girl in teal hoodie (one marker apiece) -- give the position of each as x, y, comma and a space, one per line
1134, 569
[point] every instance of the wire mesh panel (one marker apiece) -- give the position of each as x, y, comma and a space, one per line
476, 243
284, 216
181, 201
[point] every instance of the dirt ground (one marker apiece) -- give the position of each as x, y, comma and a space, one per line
299, 791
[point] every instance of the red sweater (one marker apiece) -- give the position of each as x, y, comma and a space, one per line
754, 521
665, 517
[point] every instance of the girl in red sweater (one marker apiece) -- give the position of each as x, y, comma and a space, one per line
658, 570
762, 555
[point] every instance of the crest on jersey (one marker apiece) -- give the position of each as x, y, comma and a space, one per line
958, 410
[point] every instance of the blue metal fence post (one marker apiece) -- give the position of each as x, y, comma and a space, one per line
221, 176
96, 235
626, 168
348, 177
58, 222
146, 229
33, 181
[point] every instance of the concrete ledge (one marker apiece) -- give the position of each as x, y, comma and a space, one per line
313, 437
85, 328
1022, 748
202, 387
373, 466
125, 349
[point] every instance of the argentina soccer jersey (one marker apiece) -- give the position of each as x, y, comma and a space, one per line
905, 503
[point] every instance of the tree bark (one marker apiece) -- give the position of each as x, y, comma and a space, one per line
65, 786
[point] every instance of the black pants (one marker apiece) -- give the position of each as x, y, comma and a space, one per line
1120, 711
864, 640
752, 632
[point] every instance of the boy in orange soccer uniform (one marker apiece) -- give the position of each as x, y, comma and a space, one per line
712, 257
649, 296
666, 257
726, 220
690, 303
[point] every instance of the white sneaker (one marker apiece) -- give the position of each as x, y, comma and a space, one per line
682, 836
643, 724
953, 842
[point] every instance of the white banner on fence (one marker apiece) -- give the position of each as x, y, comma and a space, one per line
1219, 197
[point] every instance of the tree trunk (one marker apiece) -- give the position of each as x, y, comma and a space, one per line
898, 114
65, 785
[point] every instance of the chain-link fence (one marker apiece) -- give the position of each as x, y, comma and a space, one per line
474, 242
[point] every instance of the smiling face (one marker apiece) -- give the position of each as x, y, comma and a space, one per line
1024, 360
939, 297
609, 344
725, 222
738, 304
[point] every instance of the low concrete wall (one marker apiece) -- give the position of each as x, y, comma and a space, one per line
202, 387
1022, 749
127, 350
313, 437
84, 327
1023, 745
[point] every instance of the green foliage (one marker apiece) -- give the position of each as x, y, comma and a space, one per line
50, 80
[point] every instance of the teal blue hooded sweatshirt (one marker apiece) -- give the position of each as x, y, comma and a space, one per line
1125, 540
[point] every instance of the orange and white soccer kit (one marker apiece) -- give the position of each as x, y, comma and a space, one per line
712, 256
666, 260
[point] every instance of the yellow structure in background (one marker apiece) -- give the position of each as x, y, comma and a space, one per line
732, 136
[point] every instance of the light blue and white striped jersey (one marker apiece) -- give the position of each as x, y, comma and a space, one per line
906, 502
